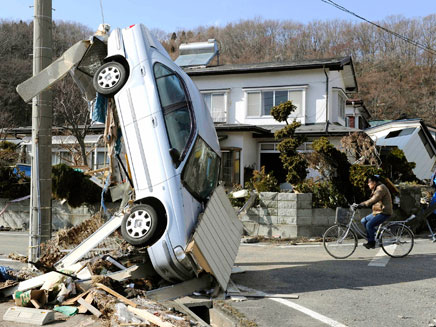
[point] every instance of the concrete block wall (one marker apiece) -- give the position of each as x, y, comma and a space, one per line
17, 214
287, 215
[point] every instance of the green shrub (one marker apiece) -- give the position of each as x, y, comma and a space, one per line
73, 186
324, 193
13, 185
339, 167
263, 182
359, 179
397, 168
293, 162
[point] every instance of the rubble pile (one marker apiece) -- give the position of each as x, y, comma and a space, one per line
108, 286
67, 238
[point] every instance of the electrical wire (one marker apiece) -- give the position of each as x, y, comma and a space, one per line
402, 37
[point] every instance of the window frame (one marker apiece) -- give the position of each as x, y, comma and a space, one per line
225, 92
288, 88
174, 107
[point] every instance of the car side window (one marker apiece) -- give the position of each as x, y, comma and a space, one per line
201, 172
175, 106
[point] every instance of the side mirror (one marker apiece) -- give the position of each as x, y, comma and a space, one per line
175, 155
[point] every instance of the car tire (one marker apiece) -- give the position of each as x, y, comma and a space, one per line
110, 78
139, 225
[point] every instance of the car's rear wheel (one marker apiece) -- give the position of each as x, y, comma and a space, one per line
110, 78
139, 225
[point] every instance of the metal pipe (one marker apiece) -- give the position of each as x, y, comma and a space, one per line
326, 100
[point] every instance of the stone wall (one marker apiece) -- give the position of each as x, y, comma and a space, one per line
16, 215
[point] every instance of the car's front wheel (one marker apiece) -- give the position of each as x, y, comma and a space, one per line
110, 78
139, 225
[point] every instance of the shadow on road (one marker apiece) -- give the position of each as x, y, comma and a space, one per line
353, 274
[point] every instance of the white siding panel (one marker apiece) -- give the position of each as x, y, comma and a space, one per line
218, 235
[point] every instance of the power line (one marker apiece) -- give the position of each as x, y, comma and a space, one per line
402, 37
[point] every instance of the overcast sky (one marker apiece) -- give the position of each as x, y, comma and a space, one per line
171, 15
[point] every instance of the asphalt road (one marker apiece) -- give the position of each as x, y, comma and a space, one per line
350, 292
334, 292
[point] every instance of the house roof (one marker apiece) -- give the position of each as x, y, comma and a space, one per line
343, 63
387, 124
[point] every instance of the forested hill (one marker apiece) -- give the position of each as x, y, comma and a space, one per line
395, 78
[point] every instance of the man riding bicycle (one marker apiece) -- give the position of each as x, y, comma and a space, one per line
381, 202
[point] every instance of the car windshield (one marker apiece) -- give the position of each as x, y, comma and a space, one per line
201, 171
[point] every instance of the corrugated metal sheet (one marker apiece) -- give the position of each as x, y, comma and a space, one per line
217, 237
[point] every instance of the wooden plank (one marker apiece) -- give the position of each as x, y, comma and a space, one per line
88, 299
91, 242
150, 317
35, 303
74, 299
117, 295
181, 289
90, 307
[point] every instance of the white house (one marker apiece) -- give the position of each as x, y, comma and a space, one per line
356, 114
240, 98
413, 137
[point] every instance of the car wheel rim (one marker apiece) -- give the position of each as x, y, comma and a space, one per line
109, 77
138, 224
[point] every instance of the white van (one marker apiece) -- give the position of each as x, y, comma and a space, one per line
170, 141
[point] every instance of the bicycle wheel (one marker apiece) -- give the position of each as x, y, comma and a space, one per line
397, 240
339, 243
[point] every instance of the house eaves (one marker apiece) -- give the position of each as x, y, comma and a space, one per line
344, 64
315, 130
241, 128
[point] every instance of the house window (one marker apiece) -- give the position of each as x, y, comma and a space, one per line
341, 106
351, 121
230, 167
400, 132
216, 103
259, 103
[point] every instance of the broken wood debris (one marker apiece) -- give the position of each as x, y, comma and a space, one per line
150, 317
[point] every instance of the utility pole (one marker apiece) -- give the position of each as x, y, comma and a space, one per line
42, 116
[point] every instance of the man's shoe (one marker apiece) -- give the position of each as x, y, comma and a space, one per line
369, 245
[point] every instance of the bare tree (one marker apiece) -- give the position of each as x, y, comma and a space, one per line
70, 111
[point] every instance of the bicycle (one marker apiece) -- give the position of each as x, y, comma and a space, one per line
394, 237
